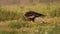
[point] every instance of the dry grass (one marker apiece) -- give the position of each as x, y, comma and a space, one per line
21, 26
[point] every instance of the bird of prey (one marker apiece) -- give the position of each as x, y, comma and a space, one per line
31, 15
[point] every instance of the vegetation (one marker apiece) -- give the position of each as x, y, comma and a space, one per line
16, 24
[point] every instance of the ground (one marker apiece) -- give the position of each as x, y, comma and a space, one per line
13, 22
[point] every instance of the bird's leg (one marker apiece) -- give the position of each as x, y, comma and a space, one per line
31, 22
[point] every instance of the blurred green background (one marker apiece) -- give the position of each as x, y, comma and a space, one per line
13, 22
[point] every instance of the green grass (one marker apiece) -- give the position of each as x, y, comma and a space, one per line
8, 32
15, 20
7, 15
18, 24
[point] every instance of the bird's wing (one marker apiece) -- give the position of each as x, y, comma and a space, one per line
31, 17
